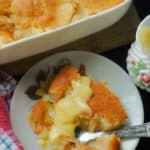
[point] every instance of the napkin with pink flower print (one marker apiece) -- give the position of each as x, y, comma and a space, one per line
8, 139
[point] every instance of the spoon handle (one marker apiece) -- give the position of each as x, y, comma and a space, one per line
127, 132
135, 131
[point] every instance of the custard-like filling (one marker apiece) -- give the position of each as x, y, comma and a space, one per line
68, 109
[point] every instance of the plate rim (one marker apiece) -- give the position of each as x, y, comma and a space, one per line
83, 52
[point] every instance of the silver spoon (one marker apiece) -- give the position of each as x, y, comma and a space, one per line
127, 132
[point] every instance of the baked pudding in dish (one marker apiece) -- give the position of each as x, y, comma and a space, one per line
75, 100
23, 18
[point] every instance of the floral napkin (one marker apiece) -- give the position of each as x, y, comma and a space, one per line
8, 139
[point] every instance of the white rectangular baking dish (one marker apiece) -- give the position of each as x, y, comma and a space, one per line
48, 40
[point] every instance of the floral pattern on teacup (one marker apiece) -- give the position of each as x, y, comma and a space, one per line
139, 72
144, 77
137, 66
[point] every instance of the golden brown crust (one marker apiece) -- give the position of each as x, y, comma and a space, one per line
94, 6
108, 112
106, 103
5, 37
105, 142
39, 118
31, 17
67, 143
4, 7
62, 82
37, 12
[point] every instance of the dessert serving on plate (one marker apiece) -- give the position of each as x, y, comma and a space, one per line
23, 18
40, 88
71, 99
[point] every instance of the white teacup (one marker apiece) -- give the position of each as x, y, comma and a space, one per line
144, 25
138, 59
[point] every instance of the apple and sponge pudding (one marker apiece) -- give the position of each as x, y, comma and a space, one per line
77, 101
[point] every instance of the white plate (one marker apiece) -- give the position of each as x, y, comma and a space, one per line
49, 40
101, 69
